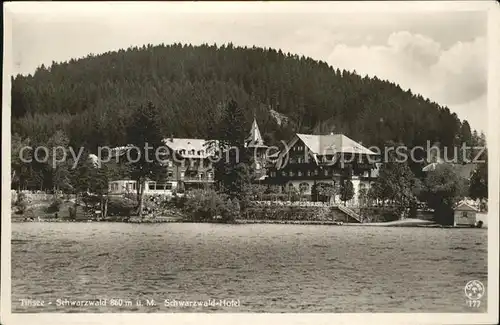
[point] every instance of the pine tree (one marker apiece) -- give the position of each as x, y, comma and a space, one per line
232, 170
478, 188
396, 182
443, 189
91, 99
346, 190
145, 134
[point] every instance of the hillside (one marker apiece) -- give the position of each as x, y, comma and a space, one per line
91, 98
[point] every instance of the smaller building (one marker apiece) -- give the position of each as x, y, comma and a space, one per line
465, 215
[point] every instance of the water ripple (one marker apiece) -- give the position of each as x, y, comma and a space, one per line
269, 268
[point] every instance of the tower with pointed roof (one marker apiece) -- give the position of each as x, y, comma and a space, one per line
254, 138
255, 144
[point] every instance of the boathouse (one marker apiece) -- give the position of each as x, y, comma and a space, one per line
465, 215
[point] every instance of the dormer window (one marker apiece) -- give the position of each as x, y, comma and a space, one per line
191, 152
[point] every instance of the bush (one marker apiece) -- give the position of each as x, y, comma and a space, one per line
233, 210
22, 207
72, 212
121, 206
91, 200
208, 205
177, 201
21, 203
54, 206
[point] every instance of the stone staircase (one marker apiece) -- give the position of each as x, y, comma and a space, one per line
349, 212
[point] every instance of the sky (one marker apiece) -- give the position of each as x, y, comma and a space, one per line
439, 54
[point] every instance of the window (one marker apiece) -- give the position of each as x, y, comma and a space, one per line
299, 173
308, 173
283, 173
182, 174
152, 186
316, 172
191, 163
169, 163
170, 174
299, 160
168, 186
326, 172
210, 175
291, 174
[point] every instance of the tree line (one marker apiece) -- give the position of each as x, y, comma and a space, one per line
92, 99
95, 101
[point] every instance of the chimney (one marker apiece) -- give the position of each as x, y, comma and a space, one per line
171, 138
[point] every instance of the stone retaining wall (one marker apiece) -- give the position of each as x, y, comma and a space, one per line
294, 213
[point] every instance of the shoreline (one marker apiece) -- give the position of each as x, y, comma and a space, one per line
399, 223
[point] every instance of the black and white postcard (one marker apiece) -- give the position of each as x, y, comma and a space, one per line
244, 162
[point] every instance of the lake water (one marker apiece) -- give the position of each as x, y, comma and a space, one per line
256, 268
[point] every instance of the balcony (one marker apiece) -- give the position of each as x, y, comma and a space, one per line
197, 179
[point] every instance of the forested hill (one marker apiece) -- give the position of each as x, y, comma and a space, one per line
91, 98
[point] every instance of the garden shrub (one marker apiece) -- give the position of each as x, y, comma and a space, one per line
54, 206
72, 212
121, 206
21, 203
208, 205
